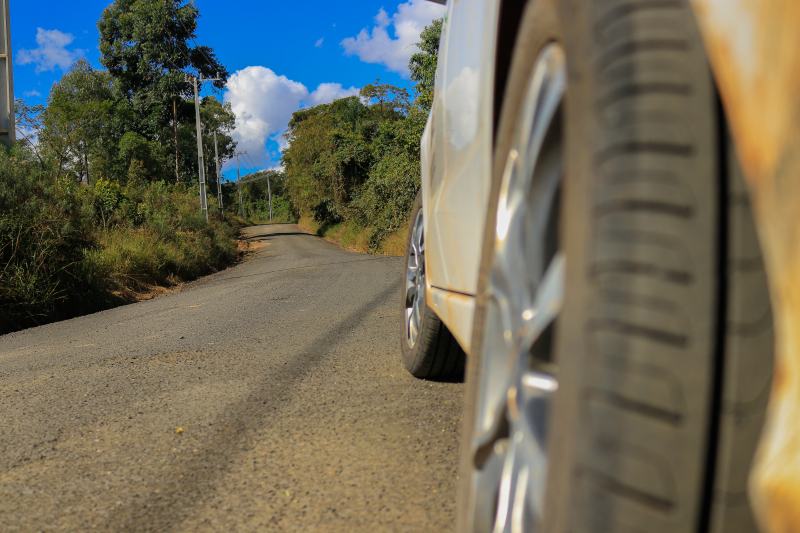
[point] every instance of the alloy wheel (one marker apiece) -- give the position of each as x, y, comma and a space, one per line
415, 282
518, 375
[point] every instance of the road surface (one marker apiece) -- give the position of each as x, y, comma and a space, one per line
267, 397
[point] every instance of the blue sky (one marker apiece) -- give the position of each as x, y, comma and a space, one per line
284, 55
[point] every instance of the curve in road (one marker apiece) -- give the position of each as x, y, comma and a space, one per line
267, 397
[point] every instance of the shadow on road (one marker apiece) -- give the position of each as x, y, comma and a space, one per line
172, 499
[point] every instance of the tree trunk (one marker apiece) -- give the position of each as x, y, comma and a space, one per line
175, 131
86, 161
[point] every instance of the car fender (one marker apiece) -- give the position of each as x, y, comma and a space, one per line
754, 51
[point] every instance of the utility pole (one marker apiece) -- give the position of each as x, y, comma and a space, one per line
269, 192
219, 178
203, 200
7, 125
239, 182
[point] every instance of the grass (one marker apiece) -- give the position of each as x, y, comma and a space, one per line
68, 249
354, 237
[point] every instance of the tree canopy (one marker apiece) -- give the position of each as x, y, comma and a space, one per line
148, 48
135, 119
357, 158
423, 64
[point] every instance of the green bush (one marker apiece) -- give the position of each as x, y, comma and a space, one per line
68, 249
356, 161
388, 195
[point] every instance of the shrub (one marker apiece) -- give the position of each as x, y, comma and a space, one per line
68, 249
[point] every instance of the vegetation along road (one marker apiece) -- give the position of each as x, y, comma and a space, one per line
267, 397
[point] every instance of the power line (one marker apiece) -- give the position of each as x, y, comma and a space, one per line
247, 170
189, 59
252, 163
193, 41
244, 164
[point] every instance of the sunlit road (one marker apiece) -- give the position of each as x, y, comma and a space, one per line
282, 373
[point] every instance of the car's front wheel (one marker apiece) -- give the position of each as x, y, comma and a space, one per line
429, 349
622, 348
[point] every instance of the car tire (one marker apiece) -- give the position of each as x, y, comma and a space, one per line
660, 358
429, 349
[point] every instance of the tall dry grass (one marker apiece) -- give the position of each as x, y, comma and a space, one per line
68, 249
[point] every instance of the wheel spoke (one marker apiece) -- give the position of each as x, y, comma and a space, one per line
411, 293
487, 488
413, 329
415, 281
548, 302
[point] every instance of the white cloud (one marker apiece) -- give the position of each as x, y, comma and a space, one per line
319, 43
52, 51
378, 46
264, 102
328, 92
28, 134
28, 94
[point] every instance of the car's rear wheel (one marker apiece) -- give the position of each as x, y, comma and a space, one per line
428, 348
622, 347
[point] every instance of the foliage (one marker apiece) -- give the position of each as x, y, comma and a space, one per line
136, 119
86, 216
255, 198
356, 160
68, 249
423, 64
144, 159
41, 233
145, 46
219, 117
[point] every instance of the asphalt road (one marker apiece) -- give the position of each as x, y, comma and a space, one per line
284, 376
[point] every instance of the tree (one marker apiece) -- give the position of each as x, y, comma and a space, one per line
218, 117
28, 123
389, 98
423, 64
144, 160
329, 156
358, 159
79, 107
145, 47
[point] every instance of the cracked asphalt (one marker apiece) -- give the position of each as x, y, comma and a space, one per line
267, 397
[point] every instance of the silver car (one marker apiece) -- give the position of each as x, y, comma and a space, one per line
583, 248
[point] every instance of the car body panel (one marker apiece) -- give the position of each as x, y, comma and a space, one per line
460, 311
456, 156
754, 50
